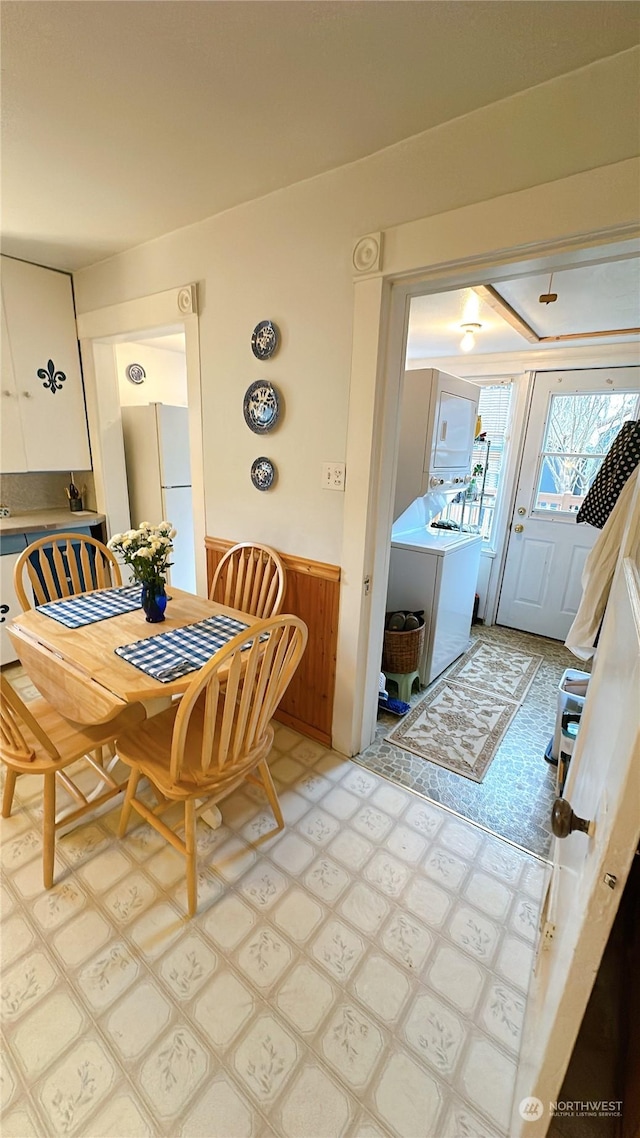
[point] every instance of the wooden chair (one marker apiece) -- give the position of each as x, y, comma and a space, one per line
35, 739
217, 736
62, 565
250, 577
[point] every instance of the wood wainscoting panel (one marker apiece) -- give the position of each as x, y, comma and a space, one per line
312, 593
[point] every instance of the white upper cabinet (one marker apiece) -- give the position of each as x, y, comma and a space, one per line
42, 391
12, 452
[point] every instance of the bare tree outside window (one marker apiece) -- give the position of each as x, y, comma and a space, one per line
580, 431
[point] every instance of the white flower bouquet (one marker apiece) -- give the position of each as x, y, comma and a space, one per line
147, 550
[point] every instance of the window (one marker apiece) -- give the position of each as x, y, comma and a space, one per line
476, 507
579, 431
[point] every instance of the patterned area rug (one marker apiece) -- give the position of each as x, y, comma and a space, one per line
496, 669
462, 720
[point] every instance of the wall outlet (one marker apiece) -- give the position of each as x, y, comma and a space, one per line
333, 475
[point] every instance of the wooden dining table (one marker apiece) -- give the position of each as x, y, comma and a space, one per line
77, 670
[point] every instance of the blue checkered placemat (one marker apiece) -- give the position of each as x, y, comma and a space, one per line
173, 654
88, 608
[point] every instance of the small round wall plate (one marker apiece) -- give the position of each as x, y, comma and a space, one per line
265, 339
263, 473
135, 373
261, 406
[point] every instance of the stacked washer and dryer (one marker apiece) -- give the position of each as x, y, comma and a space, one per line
430, 568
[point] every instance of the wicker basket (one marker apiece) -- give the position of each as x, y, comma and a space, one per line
402, 650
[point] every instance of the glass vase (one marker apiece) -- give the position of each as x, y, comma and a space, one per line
153, 601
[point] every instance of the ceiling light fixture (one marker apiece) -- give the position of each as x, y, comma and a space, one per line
468, 341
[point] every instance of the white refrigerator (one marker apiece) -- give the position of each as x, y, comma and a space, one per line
156, 446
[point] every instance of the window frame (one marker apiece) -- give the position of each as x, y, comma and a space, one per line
568, 515
492, 540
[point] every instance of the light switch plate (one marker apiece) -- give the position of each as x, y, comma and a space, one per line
333, 474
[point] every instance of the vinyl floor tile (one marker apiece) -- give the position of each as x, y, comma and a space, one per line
514, 799
362, 974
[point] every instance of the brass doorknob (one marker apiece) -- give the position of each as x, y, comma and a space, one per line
518, 529
564, 821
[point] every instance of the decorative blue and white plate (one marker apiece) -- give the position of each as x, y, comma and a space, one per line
135, 373
263, 473
265, 339
261, 406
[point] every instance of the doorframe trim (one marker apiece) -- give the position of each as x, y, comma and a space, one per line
544, 227
523, 393
96, 331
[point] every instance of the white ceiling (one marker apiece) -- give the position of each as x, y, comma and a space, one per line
123, 121
595, 297
435, 326
172, 342
592, 299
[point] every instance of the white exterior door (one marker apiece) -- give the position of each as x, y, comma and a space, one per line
589, 870
573, 419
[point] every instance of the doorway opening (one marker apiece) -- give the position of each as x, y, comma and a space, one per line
154, 406
514, 795
141, 360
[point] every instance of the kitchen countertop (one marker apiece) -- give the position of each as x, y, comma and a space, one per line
61, 520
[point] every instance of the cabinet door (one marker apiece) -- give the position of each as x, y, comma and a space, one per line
12, 452
9, 606
456, 421
44, 349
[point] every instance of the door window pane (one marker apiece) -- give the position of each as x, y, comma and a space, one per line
488, 455
579, 432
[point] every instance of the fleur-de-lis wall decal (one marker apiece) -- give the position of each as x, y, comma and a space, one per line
53, 379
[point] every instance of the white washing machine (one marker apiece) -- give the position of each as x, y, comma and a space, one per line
435, 570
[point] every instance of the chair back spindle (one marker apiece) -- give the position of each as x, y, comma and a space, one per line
63, 565
242, 687
250, 577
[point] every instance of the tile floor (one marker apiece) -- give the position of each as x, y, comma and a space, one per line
363, 973
514, 799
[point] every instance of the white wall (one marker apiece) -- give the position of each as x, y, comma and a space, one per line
165, 381
288, 257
